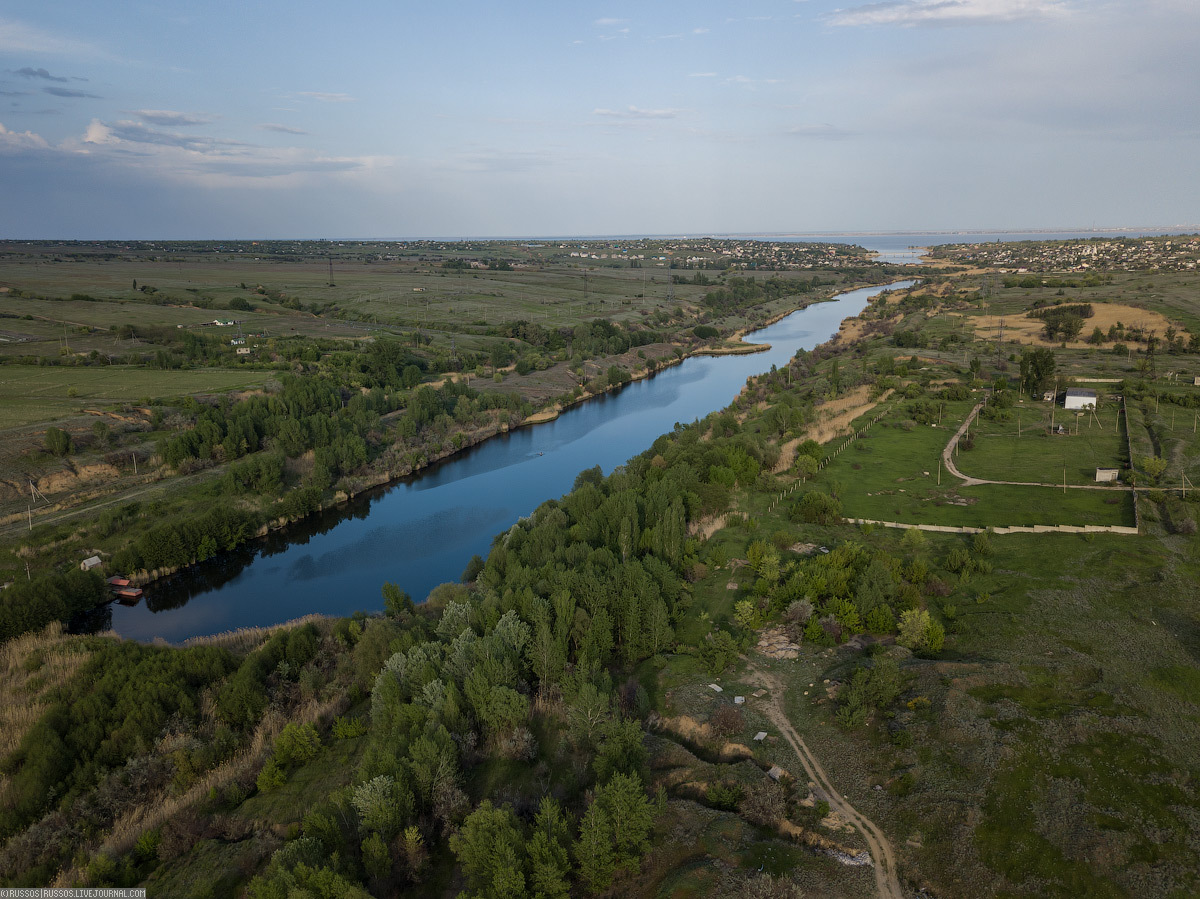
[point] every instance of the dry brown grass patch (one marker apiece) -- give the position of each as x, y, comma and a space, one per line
1104, 316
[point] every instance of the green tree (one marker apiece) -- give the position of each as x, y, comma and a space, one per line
806, 467
587, 714
921, 633
549, 861
376, 858
491, 852
594, 849
58, 442
1037, 370
395, 601
764, 560
1152, 466
630, 815
621, 751
297, 743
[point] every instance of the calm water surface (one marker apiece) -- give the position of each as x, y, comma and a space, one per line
422, 531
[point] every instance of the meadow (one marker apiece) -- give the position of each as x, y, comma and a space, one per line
892, 473
32, 393
1024, 448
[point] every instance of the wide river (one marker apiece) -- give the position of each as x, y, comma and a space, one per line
422, 531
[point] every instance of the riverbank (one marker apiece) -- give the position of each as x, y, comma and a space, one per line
421, 531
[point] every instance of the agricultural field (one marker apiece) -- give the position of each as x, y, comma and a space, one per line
30, 393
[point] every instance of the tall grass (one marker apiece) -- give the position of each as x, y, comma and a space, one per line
246, 639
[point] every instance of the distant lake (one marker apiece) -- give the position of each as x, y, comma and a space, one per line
903, 247
422, 531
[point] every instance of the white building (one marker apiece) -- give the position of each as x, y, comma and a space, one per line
1077, 398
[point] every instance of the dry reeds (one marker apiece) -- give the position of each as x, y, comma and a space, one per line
247, 639
31, 667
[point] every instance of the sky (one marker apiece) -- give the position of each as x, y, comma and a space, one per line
172, 120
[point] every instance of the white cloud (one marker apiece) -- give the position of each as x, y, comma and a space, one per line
633, 112
12, 141
950, 12
70, 93
206, 161
819, 132
17, 37
703, 75
137, 133
170, 117
326, 97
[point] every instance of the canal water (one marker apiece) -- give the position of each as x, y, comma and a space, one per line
423, 531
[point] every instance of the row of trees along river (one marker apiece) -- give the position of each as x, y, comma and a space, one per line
425, 530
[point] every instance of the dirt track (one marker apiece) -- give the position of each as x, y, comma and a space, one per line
887, 882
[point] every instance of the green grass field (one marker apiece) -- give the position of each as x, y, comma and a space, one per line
892, 475
30, 393
1022, 449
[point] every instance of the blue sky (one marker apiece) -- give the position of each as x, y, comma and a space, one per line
383, 119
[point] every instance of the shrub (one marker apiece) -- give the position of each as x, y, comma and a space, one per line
818, 508
58, 442
727, 720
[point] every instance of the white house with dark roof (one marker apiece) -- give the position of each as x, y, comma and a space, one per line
1079, 398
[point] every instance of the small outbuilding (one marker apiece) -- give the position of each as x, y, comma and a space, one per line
1107, 475
89, 563
1079, 398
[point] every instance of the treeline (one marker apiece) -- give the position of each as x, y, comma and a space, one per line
1062, 322
32, 604
599, 337
739, 293
525, 665
259, 435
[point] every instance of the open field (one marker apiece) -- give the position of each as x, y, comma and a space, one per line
1020, 328
30, 393
1023, 449
891, 474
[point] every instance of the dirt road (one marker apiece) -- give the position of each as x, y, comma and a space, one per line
886, 880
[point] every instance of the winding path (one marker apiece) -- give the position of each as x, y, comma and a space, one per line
887, 882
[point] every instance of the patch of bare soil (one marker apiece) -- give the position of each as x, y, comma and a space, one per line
1104, 316
59, 481
689, 728
707, 526
833, 419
